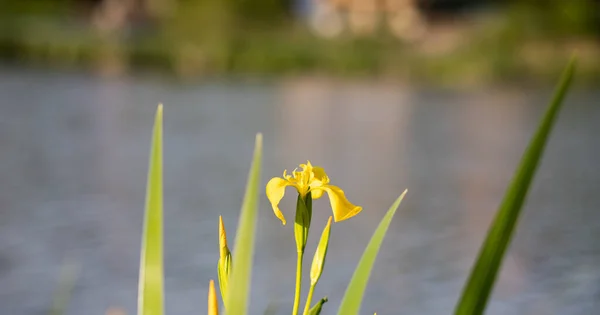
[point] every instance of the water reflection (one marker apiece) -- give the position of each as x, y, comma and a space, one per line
75, 156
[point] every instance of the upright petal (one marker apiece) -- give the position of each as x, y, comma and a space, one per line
320, 174
275, 191
341, 207
319, 179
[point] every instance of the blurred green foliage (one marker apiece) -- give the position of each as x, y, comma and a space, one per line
556, 18
260, 12
261, 37
38, 7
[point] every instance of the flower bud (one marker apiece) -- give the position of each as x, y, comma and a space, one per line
319, 259
302, 222
213, 304
316, 309
224, 265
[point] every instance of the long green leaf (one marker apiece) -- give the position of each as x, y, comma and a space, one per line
239, 283
68, 277
483, 275
150, 290
354, 293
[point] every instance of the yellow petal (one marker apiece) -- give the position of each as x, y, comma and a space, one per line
320, 174
319, 179
341, 207
275, 191
316, 193
213, 304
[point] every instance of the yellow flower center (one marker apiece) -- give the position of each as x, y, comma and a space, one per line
307, 179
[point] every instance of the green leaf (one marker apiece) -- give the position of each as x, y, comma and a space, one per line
223, 271
483, 275
68, 277
316, 310
354, 293
239, 282
271, 309
150, 291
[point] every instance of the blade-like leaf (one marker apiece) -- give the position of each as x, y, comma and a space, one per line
483, 275
150, 290
243, 251
354, 293
68, 277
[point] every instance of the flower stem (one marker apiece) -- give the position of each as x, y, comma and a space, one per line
309, 298
298, 283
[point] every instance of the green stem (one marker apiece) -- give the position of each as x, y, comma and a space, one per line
298, 283
309, 298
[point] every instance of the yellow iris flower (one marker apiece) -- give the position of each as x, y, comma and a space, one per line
311, 179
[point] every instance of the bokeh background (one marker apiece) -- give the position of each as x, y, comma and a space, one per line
437, 96
444, 41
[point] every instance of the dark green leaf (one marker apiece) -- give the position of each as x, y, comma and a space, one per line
483, 275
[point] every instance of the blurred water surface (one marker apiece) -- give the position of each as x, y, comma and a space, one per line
73, 171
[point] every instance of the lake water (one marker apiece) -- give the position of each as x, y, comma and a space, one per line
73, 168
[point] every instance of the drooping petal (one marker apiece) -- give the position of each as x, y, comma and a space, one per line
341, 207
275, 191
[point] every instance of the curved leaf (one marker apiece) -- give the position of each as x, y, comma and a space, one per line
356, 289
483, 275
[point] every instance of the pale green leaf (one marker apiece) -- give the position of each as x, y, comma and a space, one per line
243, 251
356, 289
68, 277
150, 290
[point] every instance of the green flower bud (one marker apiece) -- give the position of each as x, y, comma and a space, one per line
316, 310
319, 259
224, 265
302, 222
